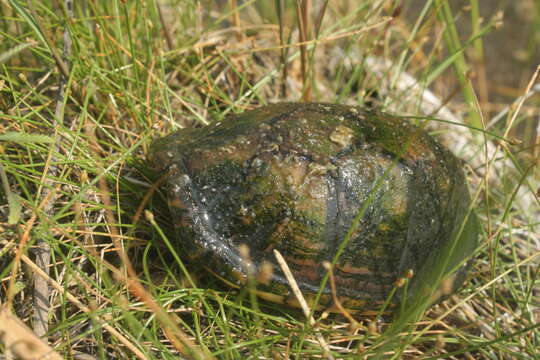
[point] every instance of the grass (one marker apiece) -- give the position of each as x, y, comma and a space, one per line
76, 122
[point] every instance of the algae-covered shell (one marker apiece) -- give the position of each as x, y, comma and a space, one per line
318, 182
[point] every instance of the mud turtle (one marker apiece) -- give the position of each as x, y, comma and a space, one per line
299, 178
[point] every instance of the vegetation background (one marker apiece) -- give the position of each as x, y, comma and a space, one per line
87, 258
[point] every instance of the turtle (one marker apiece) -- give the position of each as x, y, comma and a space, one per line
371, 193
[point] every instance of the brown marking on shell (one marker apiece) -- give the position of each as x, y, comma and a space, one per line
307, 267
292, 172
316, 169
277, 235
304, 268
366, 287
175, 203
246, 220
343, 136
353, 270
306, 246
420, 150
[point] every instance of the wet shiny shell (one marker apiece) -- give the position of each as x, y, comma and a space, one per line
294, 177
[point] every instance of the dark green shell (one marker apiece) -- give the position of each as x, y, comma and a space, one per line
294, 177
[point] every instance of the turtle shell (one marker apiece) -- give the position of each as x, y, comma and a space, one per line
366, 191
